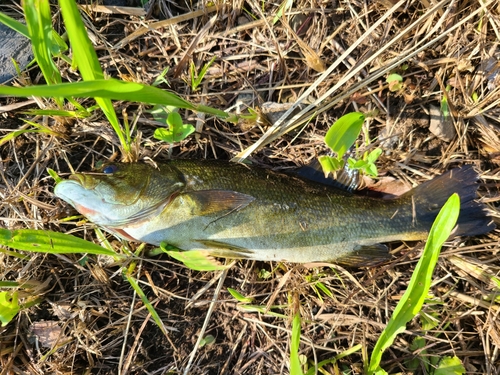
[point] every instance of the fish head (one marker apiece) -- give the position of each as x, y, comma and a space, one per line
121, 194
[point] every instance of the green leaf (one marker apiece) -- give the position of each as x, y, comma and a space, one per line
344, 132
174, 120
238, 296
198, 260
329, 164
413, 364
111, 89
9, 307
371, 170
39, 20
52, 173
394, 77
374, 155
295, 366
450, 366
88, 64
207, 340
395, 82
44, 241
418, 288
145, 300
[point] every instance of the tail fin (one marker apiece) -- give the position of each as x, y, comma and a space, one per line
430, 196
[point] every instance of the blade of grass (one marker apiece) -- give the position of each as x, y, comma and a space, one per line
57, 47
295, 366
21, 28
39, 21
88, 64
418, 288
111, 89
145, 300
49, 242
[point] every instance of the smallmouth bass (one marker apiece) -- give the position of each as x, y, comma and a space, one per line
235, 211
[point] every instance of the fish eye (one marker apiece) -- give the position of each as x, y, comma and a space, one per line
109, 169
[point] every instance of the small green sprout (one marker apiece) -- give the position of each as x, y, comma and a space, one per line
238, 296
395, 82
340, 137
176, 131
197, 78
207, 340
367, 164
161, 78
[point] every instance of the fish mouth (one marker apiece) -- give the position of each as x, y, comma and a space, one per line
86, 181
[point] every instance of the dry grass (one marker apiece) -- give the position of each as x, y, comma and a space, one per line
101, 327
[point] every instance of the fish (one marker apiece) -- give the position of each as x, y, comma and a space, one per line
232, 210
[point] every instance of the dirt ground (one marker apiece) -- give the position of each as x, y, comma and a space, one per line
332, 55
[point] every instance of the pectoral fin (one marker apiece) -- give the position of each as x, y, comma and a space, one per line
365, 256
224, 250
206, 202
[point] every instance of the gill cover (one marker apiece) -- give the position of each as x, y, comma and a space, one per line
120, 194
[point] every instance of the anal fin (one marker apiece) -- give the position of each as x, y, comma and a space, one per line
365, 256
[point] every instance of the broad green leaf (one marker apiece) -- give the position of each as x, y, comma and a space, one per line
198, 260
207, 340
450, 366
394, 77
344, 132
174, 120
9, 307
44, 241
174, 134
418, 288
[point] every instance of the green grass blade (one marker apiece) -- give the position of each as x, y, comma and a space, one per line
146, 302
83, 50
88, 64
111, 89
38, 18
44, 241
21, 28
295, 366
58, 47
418, 288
